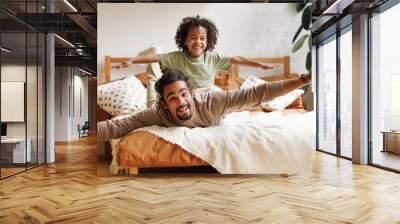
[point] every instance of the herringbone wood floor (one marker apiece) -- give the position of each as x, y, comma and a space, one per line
70, 192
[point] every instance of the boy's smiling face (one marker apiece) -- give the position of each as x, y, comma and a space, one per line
196, 41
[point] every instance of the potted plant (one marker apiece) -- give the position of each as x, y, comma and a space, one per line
297, 41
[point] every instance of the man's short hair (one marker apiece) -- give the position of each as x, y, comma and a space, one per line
169, 76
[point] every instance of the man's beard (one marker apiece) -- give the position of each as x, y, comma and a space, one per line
184, 117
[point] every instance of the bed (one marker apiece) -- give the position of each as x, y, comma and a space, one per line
144, 149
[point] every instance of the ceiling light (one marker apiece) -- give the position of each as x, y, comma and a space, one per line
338, 6
84, 71
79, 51
5, 49
331, 7
70, 5
64, 40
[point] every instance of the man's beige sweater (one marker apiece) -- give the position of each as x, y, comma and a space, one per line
209, 109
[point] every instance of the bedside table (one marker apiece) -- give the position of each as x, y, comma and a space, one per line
391, 141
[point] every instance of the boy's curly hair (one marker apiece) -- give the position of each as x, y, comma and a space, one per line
187, 23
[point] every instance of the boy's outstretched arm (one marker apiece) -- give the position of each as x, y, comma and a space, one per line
239, 60
142, 59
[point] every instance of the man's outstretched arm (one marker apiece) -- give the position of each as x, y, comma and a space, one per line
110, 129
226, 102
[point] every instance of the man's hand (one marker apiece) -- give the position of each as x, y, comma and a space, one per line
122, 65
306, 78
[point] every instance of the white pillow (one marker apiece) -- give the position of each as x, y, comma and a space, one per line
251, 81
278, 103
124, 96
281, 102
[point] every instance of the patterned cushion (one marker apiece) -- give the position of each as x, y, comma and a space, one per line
120, 97
279, 103
251, 81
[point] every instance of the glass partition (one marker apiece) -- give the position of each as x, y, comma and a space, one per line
13, 92
346, 94
327, 96
31, 98
22, 64
385, 89
41, 96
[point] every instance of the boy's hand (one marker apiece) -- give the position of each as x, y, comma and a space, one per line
268, 67
122, 65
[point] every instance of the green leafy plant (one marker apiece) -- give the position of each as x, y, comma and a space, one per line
305, 8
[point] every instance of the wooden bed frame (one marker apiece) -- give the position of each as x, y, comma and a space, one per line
227, 78
285, 61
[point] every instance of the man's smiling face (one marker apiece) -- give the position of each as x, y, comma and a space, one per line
179, 101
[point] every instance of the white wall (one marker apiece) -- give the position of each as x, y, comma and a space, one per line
80, 103
67, 117
61, 103
82, 82
251, 30
17, 73
14, 73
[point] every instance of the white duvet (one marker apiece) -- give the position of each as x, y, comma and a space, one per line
266, 143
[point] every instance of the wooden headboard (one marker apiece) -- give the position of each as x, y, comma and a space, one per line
284, 61
110, 60
107, 65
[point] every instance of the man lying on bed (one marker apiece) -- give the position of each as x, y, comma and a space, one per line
177, 106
